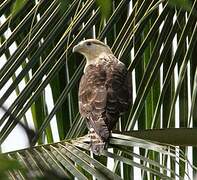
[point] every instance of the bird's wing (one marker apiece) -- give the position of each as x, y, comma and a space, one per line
92, 99
103, 95
118, 93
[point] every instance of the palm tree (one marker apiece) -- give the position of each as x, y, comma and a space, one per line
155, 39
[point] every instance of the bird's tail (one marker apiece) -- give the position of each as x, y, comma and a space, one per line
99, 126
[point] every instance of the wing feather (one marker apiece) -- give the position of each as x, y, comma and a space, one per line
104, 93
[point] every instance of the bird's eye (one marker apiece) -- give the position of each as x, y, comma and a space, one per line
88, 43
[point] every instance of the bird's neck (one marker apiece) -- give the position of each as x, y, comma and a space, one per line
94, 59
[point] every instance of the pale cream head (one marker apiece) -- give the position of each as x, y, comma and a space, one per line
92, 49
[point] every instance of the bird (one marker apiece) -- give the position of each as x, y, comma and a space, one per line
104, 91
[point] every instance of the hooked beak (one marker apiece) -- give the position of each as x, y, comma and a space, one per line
77, 48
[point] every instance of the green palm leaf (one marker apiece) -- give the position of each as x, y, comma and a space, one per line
156, 41
76, 160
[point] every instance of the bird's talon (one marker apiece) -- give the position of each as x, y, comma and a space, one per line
98, 148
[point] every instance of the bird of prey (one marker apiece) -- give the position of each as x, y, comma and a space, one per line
104, 91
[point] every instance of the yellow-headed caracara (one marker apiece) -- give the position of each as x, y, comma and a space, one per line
104, 90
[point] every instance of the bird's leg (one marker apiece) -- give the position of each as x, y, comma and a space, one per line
96, 143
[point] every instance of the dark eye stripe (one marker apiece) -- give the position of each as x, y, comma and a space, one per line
88, 43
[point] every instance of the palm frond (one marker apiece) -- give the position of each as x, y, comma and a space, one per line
72, 158
156, 41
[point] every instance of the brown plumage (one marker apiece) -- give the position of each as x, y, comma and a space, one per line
104, 90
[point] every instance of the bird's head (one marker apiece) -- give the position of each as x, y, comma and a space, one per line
92, 49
